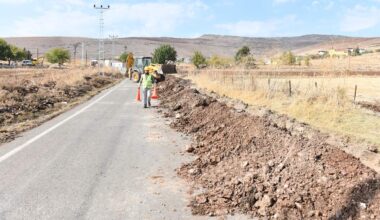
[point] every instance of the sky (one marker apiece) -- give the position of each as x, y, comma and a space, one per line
190, 18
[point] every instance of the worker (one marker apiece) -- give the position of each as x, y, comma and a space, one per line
147, 81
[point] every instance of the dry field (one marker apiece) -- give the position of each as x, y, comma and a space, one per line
324, 102
29, 97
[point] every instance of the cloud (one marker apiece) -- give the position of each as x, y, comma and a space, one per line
258, 28
360, 18
278, 2
77, 18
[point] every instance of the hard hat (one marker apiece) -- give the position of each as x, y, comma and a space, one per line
146, 69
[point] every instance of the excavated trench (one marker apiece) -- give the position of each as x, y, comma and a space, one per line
252, 165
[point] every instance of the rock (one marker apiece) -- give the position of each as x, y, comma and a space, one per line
244, 164
177, 107
190, 149
373, 149
362, 205
298, 205
178, 115
202, 199
265, 202
311, 214
193, 171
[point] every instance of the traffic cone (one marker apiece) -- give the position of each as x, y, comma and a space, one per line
138, 97
155, 95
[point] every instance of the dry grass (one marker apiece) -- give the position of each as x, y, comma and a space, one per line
323, 102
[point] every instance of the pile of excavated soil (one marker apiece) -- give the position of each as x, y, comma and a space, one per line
371, 106
27, 100
249, 164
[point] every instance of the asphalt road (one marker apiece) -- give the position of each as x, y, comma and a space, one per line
106, 159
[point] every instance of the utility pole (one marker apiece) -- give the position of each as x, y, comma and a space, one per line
82, 58
113, 38
76, 45
101, 10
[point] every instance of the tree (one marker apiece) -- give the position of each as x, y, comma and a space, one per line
58, 55
164, 53
123, 57
288, 58
17, 54
5, 50
28, 54
198, 59
242, 52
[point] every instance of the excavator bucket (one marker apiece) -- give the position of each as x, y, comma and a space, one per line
169, 68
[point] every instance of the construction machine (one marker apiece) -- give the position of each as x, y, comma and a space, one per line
136, 68
38, 61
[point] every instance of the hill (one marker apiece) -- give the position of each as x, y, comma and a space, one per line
207, 44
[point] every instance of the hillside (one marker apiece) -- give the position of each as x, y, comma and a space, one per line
207, 44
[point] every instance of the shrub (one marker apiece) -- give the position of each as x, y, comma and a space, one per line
198, 59
242, 52
220, 62
288, 58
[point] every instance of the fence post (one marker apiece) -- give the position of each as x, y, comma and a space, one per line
356, 90
290, 88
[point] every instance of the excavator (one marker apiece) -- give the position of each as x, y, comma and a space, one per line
136, 65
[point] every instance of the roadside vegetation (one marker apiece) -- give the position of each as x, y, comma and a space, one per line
29, 96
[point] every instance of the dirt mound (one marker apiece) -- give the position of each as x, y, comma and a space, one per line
371, 106
250, 164
29, 100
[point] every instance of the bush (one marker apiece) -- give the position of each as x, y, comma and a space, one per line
220, 62
288, 58
198, 59
242, 52
58, 55
164, 53
249, 62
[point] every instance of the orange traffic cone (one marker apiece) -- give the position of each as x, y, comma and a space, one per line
138, 97
155, 95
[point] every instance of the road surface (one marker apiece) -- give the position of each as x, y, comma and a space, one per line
105, 159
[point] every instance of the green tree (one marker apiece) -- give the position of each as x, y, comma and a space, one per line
58, 55
123, 57
5, 50
164, 53
198, 59
288, 58
242, 52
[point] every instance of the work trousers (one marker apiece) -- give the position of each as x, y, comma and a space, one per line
147, 95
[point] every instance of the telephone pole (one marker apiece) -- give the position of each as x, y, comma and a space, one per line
101, 10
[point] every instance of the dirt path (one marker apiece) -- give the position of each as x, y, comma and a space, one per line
254, 165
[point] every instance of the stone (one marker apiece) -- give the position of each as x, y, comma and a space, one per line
190, 149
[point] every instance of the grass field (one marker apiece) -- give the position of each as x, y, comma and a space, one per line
324, 102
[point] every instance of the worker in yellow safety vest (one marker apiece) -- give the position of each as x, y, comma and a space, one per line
147, 80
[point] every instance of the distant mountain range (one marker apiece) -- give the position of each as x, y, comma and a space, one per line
207, 44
